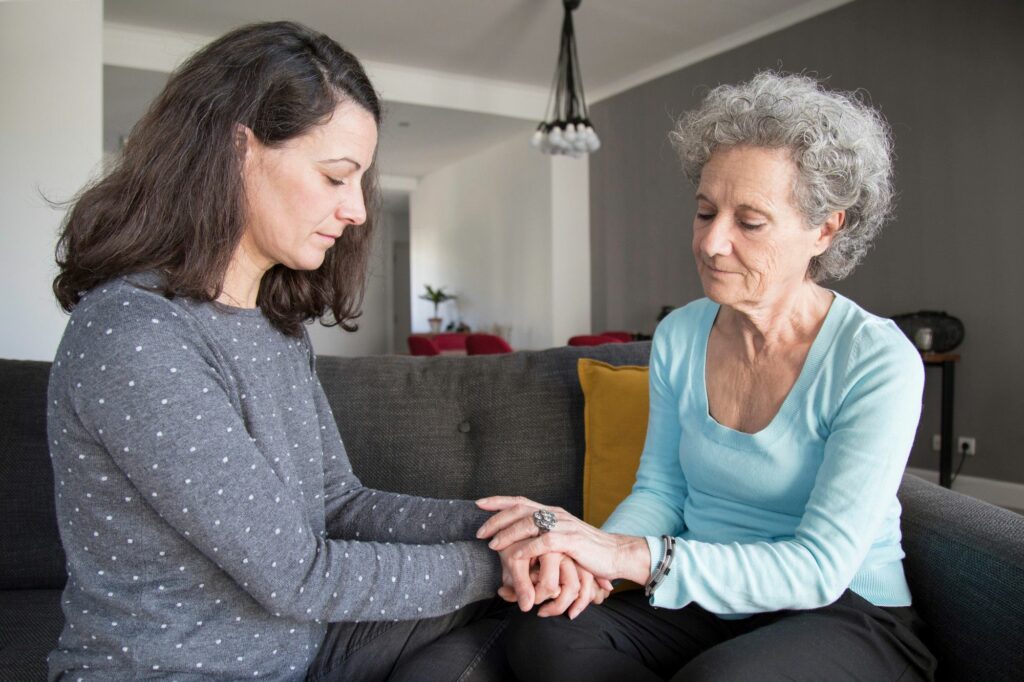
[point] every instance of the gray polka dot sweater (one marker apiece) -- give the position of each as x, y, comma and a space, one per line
210, 516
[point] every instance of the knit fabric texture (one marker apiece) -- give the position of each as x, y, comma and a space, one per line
210, 517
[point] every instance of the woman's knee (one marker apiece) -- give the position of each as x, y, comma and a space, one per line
533, 643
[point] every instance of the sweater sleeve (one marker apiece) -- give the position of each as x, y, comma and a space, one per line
154, 397
864, 457
355, 511
655, 505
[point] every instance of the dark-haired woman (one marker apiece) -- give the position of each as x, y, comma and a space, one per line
212, 523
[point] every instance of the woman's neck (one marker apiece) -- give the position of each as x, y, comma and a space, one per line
793, 318
241, 285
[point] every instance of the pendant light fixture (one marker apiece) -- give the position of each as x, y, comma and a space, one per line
567, 129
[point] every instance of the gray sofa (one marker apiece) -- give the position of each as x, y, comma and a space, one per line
465, 427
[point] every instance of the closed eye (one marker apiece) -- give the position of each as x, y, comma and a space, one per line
705, 216
334, 181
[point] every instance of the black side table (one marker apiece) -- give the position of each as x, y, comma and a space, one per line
946, 362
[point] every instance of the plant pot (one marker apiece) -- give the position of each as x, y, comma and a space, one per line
435, 324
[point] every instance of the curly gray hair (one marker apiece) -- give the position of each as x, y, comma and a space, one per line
842, 148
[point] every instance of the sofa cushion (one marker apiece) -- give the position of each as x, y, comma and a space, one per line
31, 555
30, 623
615, 420
468, 427
965, 567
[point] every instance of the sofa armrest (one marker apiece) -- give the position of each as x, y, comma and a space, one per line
965, 566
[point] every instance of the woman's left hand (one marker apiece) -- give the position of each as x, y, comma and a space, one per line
605, 555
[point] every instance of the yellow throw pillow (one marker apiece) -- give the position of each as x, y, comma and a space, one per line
616, 404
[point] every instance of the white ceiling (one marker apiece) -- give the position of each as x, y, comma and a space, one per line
621, 43
414, 140
509, 40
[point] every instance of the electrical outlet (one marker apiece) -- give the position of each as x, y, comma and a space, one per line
936, 442
966, 443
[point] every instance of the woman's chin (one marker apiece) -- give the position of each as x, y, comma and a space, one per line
717, 291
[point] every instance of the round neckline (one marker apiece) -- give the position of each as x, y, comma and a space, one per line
777, 426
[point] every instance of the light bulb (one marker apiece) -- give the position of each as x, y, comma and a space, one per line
570, 132
537, 139
555, 136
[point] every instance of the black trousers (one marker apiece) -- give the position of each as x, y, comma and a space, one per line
462, 646
628, 639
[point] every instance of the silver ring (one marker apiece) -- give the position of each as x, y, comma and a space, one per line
544, 520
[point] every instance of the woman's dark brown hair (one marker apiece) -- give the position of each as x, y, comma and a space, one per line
175, 201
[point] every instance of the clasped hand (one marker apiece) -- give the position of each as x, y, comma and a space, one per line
568, 568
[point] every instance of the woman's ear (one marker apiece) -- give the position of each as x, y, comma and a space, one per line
244, 138
828, 231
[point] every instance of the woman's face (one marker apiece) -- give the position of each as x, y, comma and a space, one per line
751, 242
303, 194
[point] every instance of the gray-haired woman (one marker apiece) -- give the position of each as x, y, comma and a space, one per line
764, 520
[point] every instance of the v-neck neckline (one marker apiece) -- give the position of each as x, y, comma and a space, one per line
776, 427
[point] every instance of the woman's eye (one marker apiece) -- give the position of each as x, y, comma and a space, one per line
334, 181
705, 216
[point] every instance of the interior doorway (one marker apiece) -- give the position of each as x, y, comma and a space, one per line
402, 304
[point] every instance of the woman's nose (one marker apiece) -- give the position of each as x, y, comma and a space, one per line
352, 208
716, 239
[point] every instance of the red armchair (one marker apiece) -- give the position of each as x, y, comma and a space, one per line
450, 341
625, 337
486, 344
421, 345
593, 340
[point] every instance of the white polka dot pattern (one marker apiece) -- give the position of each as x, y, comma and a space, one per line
207, 507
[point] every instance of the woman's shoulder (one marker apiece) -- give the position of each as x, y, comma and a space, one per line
128, 300
863, 337
127, 314
689, 316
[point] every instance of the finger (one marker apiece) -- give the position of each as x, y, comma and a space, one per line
507, 593
605, 584
547, 583
586, 594
541, 544
521, 583
570, 589
499, 502
600, 595
520, 530
505, 518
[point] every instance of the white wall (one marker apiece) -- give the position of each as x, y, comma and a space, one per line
481, 228
570, 248
506, 230
51, 138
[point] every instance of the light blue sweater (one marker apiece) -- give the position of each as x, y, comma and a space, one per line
793, 515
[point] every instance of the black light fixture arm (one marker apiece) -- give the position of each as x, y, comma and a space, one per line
568, 129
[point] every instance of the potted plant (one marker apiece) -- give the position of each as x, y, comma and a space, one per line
437, 297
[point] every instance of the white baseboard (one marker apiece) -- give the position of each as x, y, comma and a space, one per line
1000, 493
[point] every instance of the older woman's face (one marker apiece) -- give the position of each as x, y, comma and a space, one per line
750, 240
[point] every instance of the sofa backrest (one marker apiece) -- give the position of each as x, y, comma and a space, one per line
965, 567
468, 426
31, 556
513, 424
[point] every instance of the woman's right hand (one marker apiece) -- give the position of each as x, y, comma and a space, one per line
555, 579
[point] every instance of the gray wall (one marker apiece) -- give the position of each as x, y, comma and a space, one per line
949, 76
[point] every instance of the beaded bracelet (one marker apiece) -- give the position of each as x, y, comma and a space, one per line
664, 565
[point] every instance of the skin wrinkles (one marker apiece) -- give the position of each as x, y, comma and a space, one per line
753, 247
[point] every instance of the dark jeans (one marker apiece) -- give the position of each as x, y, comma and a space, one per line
628, 639
461, 646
